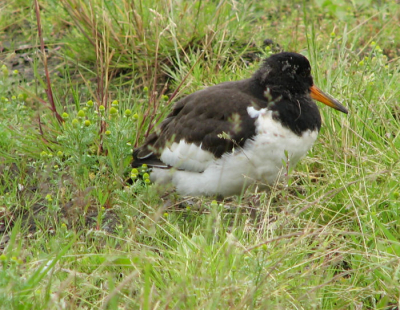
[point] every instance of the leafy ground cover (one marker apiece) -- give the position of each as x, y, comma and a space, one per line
80, 229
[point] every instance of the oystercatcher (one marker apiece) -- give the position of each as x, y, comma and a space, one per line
220, 140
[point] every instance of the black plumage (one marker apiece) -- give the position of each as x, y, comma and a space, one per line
282, 84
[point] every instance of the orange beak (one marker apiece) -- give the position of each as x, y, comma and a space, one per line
319, 95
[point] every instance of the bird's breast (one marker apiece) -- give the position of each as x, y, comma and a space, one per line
275, 144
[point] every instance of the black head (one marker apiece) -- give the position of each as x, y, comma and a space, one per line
289, 74
289, 71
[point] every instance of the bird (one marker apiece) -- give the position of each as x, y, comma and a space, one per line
222, 139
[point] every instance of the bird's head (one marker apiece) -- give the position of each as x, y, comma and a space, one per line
292, 72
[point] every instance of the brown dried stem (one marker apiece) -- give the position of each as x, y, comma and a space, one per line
48, 90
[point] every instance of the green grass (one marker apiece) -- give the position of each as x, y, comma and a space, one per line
74, 233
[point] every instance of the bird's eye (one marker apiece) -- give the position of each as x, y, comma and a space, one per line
305, 73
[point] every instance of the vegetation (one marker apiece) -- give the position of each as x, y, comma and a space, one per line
80, 229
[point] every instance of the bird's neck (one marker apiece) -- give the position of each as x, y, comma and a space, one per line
297, 112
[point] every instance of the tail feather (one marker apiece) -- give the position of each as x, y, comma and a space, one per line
150, 159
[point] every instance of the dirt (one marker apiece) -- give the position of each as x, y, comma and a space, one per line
38, 213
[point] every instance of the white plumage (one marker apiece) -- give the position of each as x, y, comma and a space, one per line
261, 160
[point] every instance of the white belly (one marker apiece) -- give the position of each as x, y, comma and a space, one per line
264, 159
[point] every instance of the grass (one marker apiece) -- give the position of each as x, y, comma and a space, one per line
74, 233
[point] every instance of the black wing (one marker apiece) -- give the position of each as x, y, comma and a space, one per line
215, 118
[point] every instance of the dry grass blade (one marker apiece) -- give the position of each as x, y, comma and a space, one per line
49, 91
